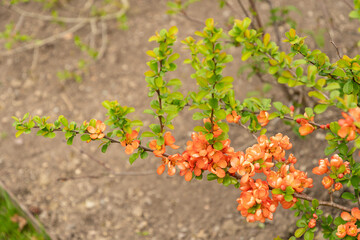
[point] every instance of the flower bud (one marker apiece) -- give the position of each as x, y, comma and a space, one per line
312, 223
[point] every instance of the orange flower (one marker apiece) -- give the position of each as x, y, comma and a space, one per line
327, 182
157, 150
337, 186
351, 229
306, 128
233, 117
322, 168
348, 127
97, 131
263, 118
170, 140
341, 231
355, 212
130, 143
312, 223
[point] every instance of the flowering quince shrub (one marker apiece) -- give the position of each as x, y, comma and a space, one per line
265, 174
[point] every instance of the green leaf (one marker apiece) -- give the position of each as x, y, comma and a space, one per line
50, 135
299, 232
218, 146
136, 123
18, 133
309, 235
159, 82
320, 108
348, 87
174, 82
277, 191
70, 140
173, 57
339, 72
85, 137
278, 105
144, 155
315, 203
198, 116
148, 134
63, 121
309, 112
199, 129
213, 102
355, 181
288, 197
301, 223
227, 181
220, 114
347, 195
224, 126
155, 128
133, 157
104, 147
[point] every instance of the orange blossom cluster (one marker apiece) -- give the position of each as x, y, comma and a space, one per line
336, 166
350, 228
350, 124
255, 203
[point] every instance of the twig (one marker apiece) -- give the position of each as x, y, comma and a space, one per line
93, 34
81, 22
276, 27
257, 16
349, 4
104, 40
311, 122
18, 24
322, 203
245, 12
45, 41
125, 7
330, 28
35, 58
247, 129
123, 174
191, 18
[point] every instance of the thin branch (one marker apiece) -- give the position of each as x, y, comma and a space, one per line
125, 7
322, 203
39, 43
257, 16
122, 174
330, 27
349, 5
311, 122
35, 58
247, 129
18, 24
276, 27
246, 13
191, 18
81, 22
104, 40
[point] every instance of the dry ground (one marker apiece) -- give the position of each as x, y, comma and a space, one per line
140, 206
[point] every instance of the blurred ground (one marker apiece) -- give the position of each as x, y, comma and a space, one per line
139, 206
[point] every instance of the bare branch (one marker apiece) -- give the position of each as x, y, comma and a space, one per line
39, 43
276, 27
125, 7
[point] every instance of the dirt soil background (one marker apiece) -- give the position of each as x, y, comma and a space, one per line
139, 204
